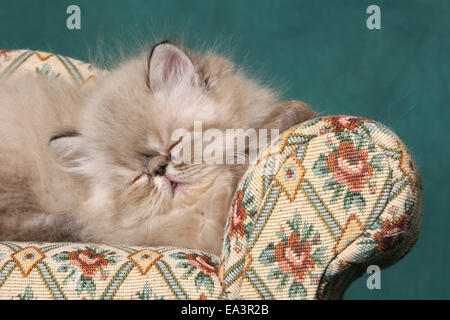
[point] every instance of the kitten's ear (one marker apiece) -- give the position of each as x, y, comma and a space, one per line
69, 148
170, 68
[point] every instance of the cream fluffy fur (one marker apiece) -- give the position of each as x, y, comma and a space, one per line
102, 183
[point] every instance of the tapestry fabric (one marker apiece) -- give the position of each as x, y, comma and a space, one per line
29, 62
327, 199
95, 271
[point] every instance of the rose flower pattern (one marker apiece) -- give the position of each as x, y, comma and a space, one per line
294, 257
202, 262
88, 261
237, 216
83, 264
204, 266
349, 166
340, 123
390, 231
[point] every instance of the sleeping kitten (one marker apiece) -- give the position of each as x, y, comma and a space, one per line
99, 163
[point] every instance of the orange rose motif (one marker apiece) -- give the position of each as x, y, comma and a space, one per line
204, 263
350, 166
294, 257
88, 260
390, 231
238, 216
340, 123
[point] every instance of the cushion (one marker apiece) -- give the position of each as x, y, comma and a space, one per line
35, 270
29, 62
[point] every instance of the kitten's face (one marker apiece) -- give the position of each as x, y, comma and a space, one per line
127, 127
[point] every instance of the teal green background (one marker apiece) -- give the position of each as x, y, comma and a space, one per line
320, 52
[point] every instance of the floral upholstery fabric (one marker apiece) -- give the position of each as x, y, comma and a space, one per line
325, 200
329, 197
92, 271
28, 62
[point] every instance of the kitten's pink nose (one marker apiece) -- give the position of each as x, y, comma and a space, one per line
157, 165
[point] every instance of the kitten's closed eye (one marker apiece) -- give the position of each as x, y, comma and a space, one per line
148, 156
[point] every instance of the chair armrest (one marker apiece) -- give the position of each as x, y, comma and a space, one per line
327, 198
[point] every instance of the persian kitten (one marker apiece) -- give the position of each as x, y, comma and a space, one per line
98, 163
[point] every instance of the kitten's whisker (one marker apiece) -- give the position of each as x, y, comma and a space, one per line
137, 177
236, 157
